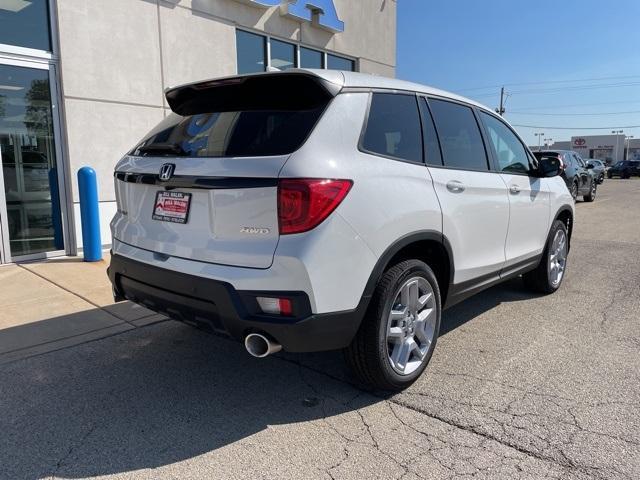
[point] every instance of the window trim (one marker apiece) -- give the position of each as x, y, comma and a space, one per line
298, 45
365, 124
424, 131
488, 155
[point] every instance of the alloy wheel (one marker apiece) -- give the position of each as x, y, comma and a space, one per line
411, 325
557, 257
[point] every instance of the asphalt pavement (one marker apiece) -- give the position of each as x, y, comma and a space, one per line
520, 386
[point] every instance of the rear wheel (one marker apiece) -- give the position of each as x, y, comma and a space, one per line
591, 196
398, 335
548, 275
574, 190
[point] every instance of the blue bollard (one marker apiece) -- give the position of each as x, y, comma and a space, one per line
89, 214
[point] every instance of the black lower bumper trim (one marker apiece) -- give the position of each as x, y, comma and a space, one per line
218, 304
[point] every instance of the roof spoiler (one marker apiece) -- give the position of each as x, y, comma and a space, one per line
296, 90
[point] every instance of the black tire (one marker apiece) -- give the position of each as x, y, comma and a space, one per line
368, 353
601, 179
539, 280
591, 196
574, 190
609, 175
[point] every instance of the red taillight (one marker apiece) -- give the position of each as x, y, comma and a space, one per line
304, 203
275, 306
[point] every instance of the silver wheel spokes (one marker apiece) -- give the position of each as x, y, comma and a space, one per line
411, 325
557, 257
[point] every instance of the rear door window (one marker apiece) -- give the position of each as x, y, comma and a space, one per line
460, 138
393, 127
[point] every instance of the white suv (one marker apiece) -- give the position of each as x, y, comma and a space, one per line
318, 210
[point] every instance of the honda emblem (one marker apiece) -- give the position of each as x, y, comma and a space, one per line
166, 171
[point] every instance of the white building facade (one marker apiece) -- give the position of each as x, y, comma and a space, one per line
608, 148
81, 81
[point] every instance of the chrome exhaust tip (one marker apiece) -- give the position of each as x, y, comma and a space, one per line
260, 346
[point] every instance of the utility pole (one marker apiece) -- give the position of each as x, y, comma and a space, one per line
500, 111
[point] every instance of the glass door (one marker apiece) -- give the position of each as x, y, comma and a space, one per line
30, 215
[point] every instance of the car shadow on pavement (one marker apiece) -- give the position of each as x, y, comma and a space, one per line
150, 397
166, 393
510, 291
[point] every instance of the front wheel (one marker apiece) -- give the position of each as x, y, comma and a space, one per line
591, 196
399, 333
601, 179
548, 275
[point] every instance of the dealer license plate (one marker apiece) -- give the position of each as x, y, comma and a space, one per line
172, 207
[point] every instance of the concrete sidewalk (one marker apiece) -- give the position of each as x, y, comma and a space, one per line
59, 303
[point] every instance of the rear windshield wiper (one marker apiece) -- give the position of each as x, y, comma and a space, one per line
163, 148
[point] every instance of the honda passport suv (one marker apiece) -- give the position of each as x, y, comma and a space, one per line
317, 210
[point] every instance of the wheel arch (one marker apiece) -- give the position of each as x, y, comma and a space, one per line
565, 215
431, 247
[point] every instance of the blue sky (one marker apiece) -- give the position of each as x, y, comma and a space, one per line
472, 47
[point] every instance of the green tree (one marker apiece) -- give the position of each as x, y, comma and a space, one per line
37, 116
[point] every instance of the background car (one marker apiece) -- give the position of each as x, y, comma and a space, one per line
625, 169
579, 179
597, 168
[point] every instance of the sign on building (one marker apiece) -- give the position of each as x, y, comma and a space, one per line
321, 13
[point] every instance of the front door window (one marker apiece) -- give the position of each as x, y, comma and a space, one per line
29, 164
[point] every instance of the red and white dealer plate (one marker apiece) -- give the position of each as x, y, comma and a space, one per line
172, 207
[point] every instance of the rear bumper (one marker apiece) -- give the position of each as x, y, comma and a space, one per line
218, 304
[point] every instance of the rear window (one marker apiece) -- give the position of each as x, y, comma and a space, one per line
460, 138
393, 127
258, 115
230, 134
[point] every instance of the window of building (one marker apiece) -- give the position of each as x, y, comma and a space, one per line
311, 58
252, 55
393, 127
431, 145
511, 154
460, 138
340, 63
25, 24
283, 55
252, 52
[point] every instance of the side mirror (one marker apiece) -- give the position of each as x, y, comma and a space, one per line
549, 167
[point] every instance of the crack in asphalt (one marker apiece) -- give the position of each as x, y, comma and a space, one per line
539, 452
70, 451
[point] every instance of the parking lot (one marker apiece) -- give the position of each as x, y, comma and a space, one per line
520, 386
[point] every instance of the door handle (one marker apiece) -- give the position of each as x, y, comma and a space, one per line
514, 189
455, 186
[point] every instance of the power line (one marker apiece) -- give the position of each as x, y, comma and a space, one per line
575, 128
579, 105
517, 112
574, 88
549, 82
